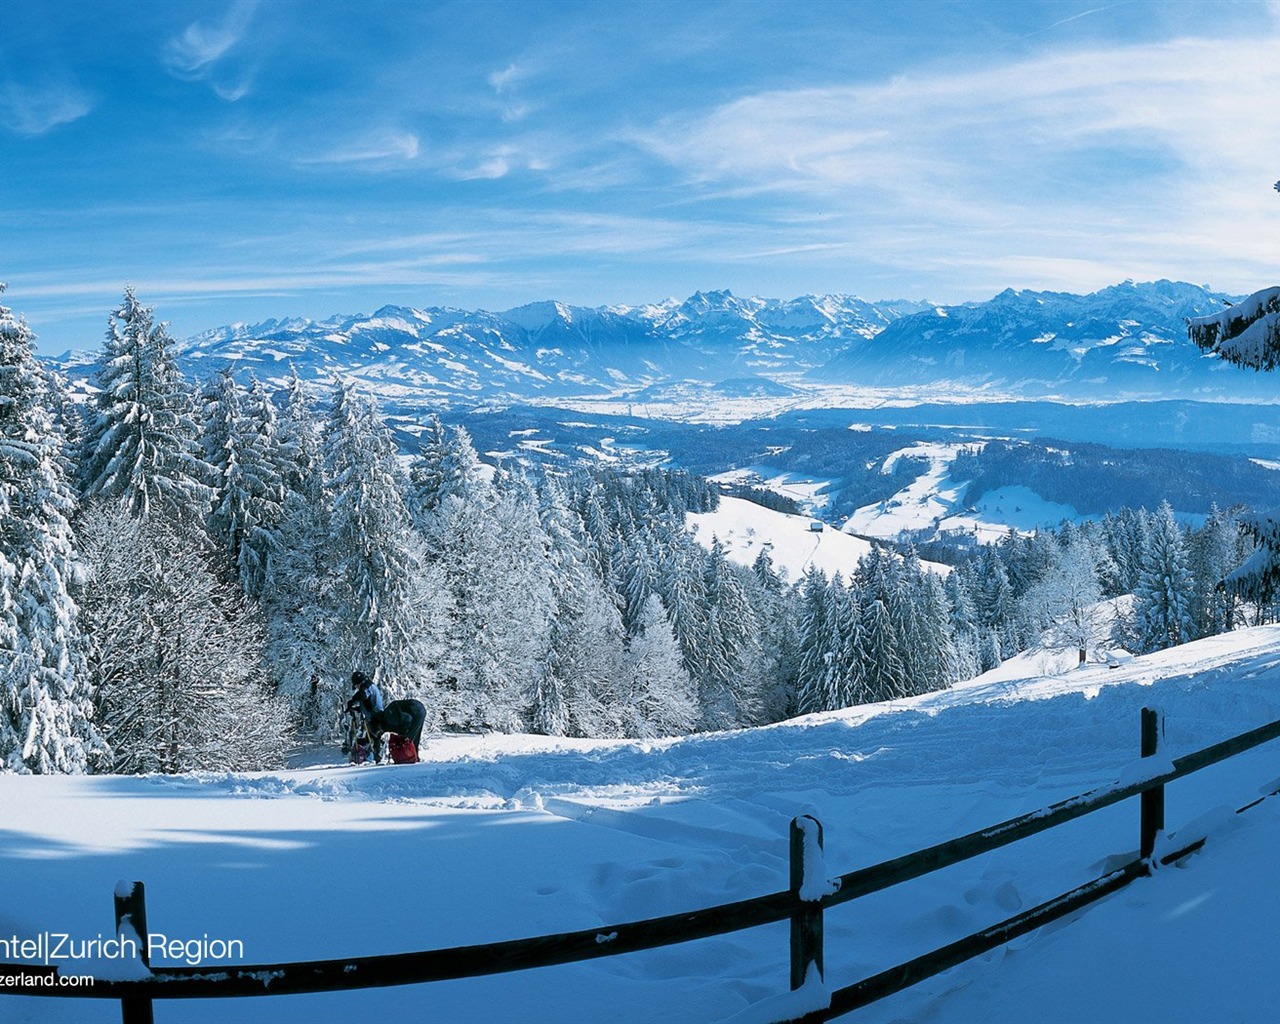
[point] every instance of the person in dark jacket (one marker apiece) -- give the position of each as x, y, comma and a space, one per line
366, 696
365, 702
403, 717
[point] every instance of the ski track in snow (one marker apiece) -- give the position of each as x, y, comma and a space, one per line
497, 836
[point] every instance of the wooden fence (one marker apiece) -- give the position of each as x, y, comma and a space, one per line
804, 903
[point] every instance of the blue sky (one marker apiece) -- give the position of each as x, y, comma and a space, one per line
236, 161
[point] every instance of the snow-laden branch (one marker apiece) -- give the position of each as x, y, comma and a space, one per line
1247, 334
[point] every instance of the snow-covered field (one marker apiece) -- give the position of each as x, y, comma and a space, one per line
507, 836
745, 528
933, 501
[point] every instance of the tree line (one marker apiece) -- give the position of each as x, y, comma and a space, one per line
190, 573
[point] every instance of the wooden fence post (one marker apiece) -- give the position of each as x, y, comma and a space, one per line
806, 919
1152, 799
131, 925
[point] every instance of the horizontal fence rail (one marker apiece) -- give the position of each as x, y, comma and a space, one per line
953, 851
443, 964
811, 892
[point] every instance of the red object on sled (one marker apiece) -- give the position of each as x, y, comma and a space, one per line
403, 750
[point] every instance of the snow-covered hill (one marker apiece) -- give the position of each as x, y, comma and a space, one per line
794, 543
932, 504
506, 836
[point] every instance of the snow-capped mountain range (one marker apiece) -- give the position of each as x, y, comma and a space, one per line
1126, 341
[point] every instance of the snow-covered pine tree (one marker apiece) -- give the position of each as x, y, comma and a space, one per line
730, 679
301, 461
46, 708
240, 442
661, 698
882, 619
1248, 334
775, 611
141, 442
883, 674
997, 609
296, 604
816, 645
580, 688
1162, 601
844, 681
445, 467
378, 593
937, 659
1216, 550
964, 625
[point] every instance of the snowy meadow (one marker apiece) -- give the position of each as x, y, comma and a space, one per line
507, 836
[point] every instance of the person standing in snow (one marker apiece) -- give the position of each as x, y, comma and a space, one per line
367, 696
366, 701
402, 717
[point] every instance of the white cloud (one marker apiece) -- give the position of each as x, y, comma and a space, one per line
195, 54
1198, 102
34, 110
504, 83
386, 148
1152, 156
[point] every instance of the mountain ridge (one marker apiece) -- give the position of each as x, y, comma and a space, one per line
1124, 342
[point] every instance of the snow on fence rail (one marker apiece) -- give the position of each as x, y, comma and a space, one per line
810, 893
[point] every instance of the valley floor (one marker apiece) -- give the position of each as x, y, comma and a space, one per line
497, 837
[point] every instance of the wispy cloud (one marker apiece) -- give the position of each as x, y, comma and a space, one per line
1194, 101
35, 109
1045, 161
385, 148
196, 53
505, 84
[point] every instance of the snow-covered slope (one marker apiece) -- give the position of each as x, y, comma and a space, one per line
931, 505
794, 543
505, 836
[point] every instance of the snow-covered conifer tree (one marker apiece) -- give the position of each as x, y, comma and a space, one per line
445, 466
661, 699
46, 711
376, 586
816, 644
140, 443
883, 673
936, 662
1248, 334
297, 607
579, 690
964, 626
1216, 551
1162, 602
242, 446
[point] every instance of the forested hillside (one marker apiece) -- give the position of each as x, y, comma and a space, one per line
194, 570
